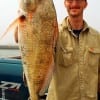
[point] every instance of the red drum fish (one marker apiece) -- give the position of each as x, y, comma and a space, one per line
37, 34
37, 30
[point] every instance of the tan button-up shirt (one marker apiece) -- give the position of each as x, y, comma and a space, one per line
77, 65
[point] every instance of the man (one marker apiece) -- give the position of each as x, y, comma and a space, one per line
77, 58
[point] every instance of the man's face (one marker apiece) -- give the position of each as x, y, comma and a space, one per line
75, 7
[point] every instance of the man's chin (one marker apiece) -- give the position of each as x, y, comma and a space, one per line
74, 15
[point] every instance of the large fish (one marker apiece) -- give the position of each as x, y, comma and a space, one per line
37, 33
37, 30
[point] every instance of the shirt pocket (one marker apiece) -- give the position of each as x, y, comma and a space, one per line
66, 56
93, 56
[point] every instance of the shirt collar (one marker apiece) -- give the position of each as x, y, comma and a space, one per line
67, 25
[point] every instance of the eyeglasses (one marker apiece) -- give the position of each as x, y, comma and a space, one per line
78, 1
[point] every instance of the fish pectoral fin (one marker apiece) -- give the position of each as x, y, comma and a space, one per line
10, 27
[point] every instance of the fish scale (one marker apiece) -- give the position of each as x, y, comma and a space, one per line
37, 35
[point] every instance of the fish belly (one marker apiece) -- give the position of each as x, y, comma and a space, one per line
36, 41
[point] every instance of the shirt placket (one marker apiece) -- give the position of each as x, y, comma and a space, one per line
81, 68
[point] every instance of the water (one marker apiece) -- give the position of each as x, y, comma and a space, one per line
9, 51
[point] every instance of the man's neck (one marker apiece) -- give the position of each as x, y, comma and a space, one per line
76, 23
